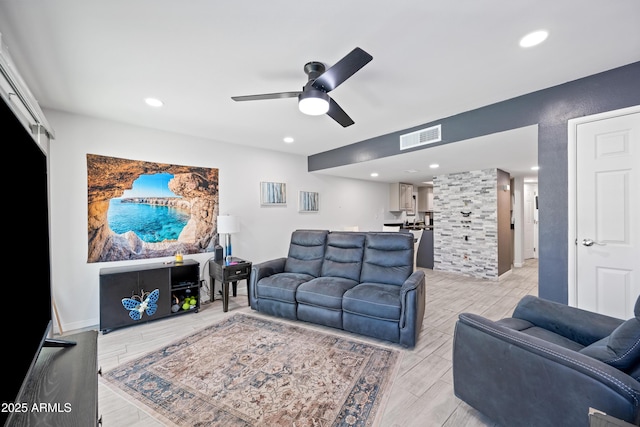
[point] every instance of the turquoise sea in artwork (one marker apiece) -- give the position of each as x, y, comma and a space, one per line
151, 223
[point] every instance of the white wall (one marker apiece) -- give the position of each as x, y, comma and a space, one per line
264, 231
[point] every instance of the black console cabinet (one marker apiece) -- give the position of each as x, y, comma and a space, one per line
175, 282
62, 388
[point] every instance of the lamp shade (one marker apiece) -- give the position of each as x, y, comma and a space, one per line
228, 224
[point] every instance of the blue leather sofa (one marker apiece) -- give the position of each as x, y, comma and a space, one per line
548, 364
361, 282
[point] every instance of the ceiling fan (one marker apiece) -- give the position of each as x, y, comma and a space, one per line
313, 99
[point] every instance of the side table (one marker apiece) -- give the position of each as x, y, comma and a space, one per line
237, 269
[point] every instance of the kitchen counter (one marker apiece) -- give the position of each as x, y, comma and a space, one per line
410, 226
417, 227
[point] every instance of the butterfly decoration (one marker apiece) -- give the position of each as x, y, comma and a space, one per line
139, 304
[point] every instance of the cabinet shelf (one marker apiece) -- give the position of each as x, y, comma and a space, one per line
184, 285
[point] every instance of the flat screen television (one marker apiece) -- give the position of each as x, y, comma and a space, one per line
26, 292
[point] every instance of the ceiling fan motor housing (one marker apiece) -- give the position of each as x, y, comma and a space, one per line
314, 69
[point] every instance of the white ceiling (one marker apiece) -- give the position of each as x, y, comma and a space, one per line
431, 59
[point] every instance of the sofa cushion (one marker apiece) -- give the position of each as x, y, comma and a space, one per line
621, 349
343, 255
306, 252
281, 286
377, 300
388, 258
579, 325
324, 291
530, 329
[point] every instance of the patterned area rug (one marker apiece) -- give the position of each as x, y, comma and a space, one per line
249, 371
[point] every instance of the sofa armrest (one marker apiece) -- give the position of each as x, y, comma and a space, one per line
260, 271
515, 378
582, 326
413, 282
412, 305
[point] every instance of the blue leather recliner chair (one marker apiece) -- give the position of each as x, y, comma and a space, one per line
548, 365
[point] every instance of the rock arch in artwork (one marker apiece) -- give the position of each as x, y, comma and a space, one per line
109, 177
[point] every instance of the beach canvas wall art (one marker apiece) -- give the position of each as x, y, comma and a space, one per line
139, 210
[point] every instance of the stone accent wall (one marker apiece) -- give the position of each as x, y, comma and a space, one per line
466, 244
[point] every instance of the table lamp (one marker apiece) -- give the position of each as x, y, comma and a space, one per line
227, 225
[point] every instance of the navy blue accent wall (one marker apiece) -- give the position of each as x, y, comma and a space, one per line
551, 109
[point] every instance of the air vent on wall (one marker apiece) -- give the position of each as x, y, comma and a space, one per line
421, 137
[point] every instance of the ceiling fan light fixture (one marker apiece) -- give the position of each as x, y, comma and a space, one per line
313, 102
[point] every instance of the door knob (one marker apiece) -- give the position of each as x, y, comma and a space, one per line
590, 242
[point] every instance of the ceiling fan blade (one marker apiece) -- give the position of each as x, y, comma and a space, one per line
338, 114
342, 70
266, 96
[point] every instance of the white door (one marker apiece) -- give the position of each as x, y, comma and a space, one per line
608, 215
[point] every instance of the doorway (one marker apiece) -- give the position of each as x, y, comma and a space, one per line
604, 204
530, 220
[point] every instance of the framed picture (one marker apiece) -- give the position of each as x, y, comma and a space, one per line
308, 201
273, 193
142, 199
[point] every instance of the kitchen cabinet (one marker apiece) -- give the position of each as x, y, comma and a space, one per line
401, 197
425, 199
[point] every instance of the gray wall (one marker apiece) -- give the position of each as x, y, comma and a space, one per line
551, 109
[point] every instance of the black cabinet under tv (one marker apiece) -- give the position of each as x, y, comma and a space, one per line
61, 388
176, 284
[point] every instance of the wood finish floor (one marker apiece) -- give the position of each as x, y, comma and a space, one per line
422, 394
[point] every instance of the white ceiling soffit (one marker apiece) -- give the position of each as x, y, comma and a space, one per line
514, 151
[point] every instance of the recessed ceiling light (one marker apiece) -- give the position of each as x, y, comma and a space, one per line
154, 102
434, 165
288, 139
534, 38
374, 174
535, 168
